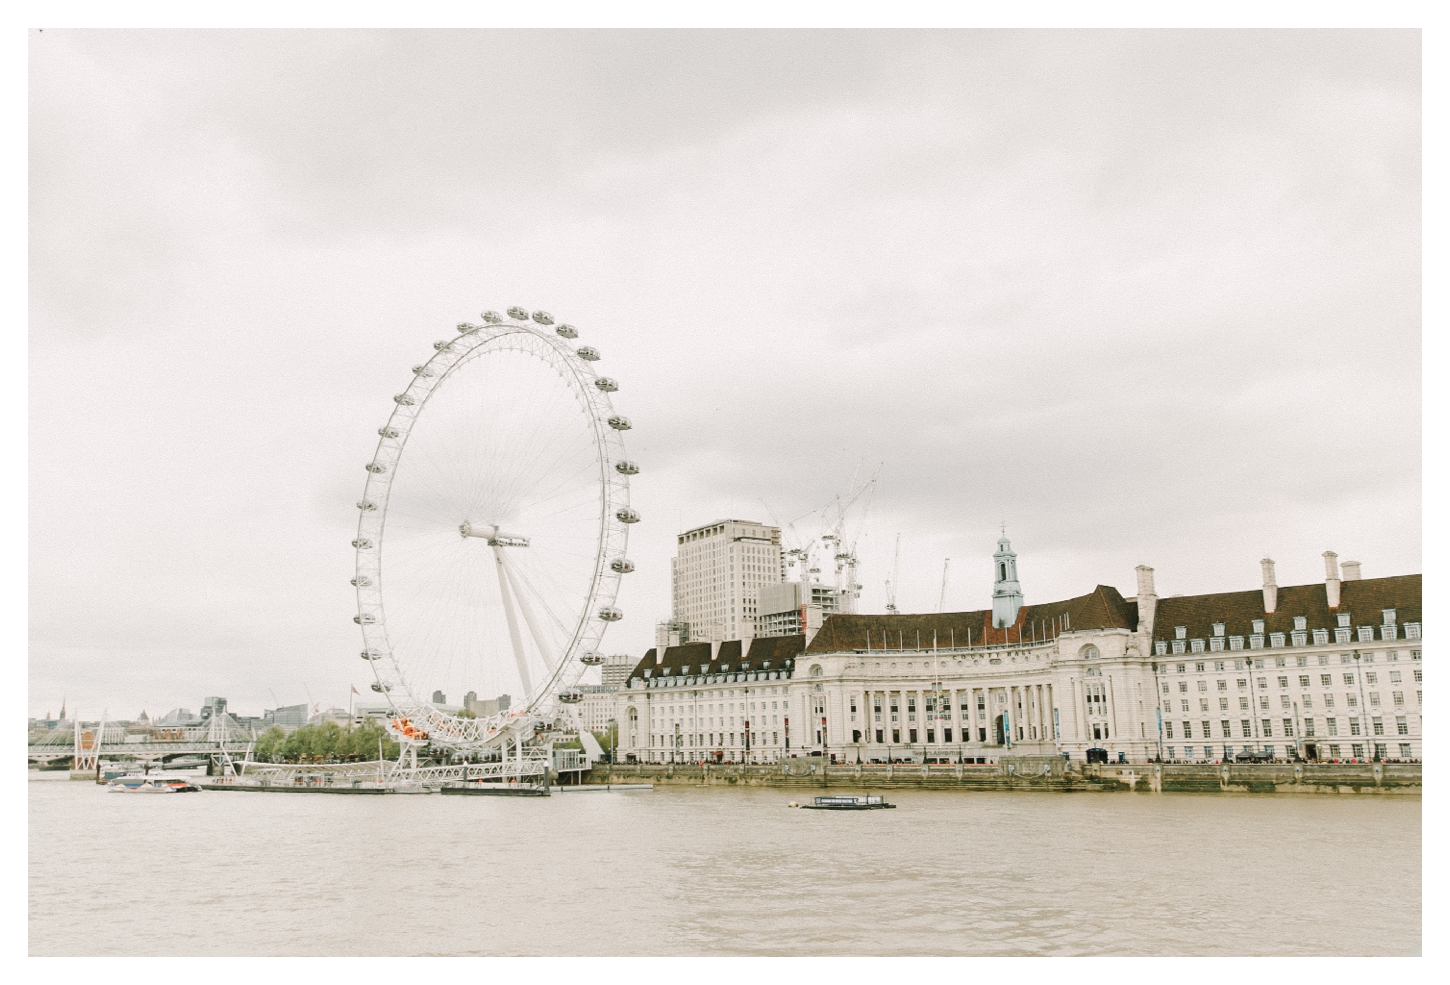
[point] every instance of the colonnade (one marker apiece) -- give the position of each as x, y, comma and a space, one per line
970, 713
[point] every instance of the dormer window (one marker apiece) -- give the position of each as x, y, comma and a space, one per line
1300, 622
1179, 646
1344, 620
1218, 629
1276, 639
1216, 644
1321, 637
1412, 630
1366, 634
1256, 641
1389, 617
1235, 642
1180, 632
1342, 635
1259, 626
1160, 648
1196, 646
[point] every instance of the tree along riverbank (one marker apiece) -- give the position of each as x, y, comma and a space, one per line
1039, 774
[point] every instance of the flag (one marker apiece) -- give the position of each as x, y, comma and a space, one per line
355, 691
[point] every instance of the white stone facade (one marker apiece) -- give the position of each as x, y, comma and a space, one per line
867, 689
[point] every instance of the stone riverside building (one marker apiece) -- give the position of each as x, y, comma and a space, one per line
1325, 671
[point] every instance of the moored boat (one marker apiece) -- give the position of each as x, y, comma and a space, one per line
154, 783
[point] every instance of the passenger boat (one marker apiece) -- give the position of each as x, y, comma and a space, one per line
154, 783
847, 803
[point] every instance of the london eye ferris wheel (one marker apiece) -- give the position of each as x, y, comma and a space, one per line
492, 529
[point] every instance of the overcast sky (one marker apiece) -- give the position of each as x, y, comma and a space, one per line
1149, 297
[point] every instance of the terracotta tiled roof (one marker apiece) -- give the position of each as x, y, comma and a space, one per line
1102, 608
694, 658
1364, 601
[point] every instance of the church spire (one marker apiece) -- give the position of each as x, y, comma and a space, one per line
1006, 590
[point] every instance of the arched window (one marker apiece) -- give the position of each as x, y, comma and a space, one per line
816, 670
1089, 652
1004, 572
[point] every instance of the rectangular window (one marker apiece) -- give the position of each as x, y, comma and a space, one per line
1309, 727
1288, 726
1374, 699
1399, 697
1303, 680
1402, 725
1245, 724
1235, 642
1283, 682
1334, 752
1203, 685
1207, 733
1325, 680
1354, 726
1224, 726
1356, 749
1168, 729
1329, 701
1276, 639
1223, 685
1183, 687
1379, 747
1405, 752
1371, 678
1395, 677
1366, 635
1196, 646
1349, 680
1379, 725
1333, 726
1268, 727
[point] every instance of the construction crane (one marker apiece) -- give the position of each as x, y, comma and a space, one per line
891, 582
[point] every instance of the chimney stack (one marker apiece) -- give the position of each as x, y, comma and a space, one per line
1147, 599
1271, 588
1351, 570
1331, 578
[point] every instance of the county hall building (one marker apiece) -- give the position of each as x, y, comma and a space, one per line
1327, 671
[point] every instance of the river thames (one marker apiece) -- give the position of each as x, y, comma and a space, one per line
691, 871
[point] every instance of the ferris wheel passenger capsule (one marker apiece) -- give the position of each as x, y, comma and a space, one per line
492, 317
376, 468
610, 614
464, 328
543, 318
363, 581
423, 371
588, 353
622, 565
545, 727
626, 515
567, 331
593, 658
404, 400
388, 432
571, 697
442, 344
365, 619
363, 544
371, 655
619, 422
518, 314
365, 506
606, 384
626, 467
380, 688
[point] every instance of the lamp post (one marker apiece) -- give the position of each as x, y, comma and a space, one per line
1367, 728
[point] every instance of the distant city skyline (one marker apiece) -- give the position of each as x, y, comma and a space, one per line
1147, 297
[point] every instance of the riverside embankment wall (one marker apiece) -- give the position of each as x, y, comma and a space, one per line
1286, 778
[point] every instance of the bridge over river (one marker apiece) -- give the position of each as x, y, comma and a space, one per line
86, 743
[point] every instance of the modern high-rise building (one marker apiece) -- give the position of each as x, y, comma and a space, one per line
716, 577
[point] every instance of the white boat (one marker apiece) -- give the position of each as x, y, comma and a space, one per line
154, 783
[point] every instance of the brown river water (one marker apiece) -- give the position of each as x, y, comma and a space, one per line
693, 871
